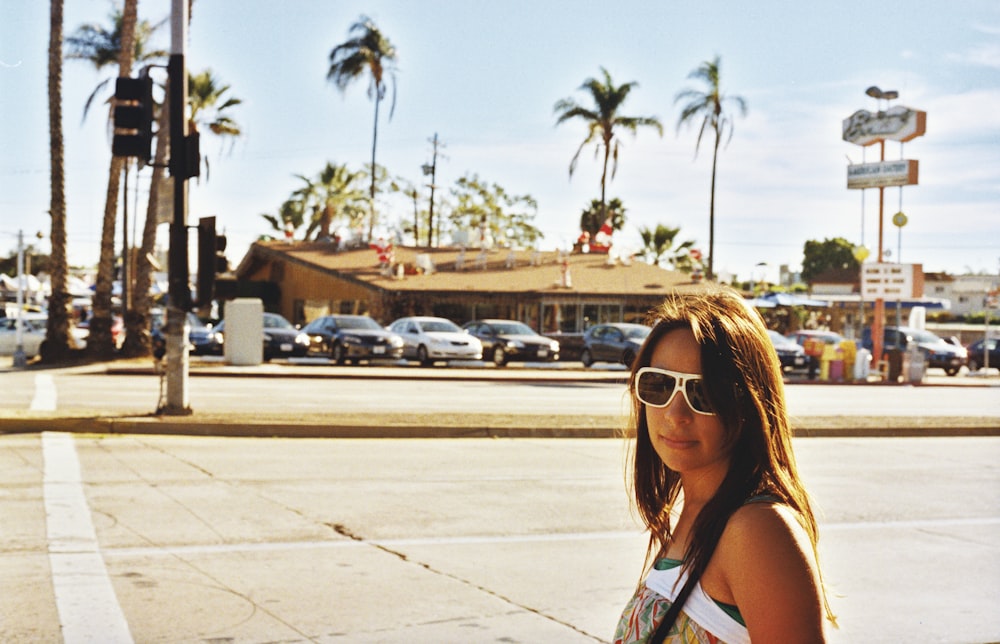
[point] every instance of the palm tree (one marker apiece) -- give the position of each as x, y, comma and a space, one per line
125, 43
367, 50
331, 195
601, 120
708, 105
210, 108
57, 337
658, 245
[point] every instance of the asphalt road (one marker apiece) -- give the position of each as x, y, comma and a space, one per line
209, 539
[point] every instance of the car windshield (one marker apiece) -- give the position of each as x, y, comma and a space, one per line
926, 337
778, 339
276, 322
357, 323
512, 328
439, 326
637, 332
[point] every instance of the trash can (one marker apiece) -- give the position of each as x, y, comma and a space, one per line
894, 358
917, 366
862, 365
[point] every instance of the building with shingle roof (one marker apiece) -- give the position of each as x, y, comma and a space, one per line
550, 291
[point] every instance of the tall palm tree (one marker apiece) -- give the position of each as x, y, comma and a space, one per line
602, 120
57, 337
330, 196
707, 105
367, 50
210, 108
124, 44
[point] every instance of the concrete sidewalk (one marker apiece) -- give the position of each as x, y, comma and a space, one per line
269, 422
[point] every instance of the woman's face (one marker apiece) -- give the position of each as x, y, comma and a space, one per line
687, 442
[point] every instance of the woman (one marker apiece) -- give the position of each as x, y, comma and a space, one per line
732, 534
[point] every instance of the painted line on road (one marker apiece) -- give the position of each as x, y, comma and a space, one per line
208, 549
86, 601
45, 393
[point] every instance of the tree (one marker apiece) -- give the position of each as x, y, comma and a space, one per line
124, 44
57, 336
708, 105
290, 217
658, 246
367, 50
504, 218
829, 254
594, 216
332, 195
210, 109
602, 120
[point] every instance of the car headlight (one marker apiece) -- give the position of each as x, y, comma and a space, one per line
515, 344
218, 337
302, 338
396, 341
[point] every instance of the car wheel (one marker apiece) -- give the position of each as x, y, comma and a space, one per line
586, 358
951, 371
337, 355
499, 356
422, 357
973, 364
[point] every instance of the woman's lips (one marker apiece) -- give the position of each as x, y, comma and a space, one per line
675, 443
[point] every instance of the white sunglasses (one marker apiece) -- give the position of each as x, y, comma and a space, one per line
657, 387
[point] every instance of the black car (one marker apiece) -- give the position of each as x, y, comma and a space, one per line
508, 340
345, 338
200, 340
977, 354
791, 355
613, 342
281, 338
937, 352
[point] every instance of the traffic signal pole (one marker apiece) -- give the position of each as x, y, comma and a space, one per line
177, 400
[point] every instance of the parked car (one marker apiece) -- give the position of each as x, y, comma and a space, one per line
508, 340
613, 342
32, 335
428, 339
791, 355
82, 332
346, 338
200, 336
281, 338
977, 354
811, 341
937, 352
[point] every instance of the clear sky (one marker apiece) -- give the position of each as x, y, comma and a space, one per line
485, 76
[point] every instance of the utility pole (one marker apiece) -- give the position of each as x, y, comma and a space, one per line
178, 361
431, 169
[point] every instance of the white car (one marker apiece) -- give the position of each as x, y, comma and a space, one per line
32, 335
429, 339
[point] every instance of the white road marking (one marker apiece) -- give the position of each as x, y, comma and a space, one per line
86, 601
45, 393
207, 549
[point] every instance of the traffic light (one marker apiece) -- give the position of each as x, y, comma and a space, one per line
211, 259
133, 118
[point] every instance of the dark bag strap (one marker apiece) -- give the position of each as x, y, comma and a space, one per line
660, 634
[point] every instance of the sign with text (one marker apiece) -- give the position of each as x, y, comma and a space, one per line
895, 124
882, 174
892, 281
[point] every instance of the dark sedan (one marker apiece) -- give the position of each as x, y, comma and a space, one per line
508, 340
346, 338
613, 342
790, 354
977, 354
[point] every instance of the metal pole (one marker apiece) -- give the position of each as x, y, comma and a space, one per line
20, 360
177, 400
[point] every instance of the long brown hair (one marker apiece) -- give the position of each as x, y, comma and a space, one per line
744, 384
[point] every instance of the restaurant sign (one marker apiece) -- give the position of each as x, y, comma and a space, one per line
892, 281
895, 124
882, 174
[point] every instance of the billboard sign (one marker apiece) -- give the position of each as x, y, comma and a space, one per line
882, 174
892, 281
895, 124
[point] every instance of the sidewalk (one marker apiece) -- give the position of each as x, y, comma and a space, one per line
266, 422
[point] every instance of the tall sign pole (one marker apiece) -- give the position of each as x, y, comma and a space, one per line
177, 398
866, 128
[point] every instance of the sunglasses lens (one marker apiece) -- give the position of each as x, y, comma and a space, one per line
655, 388
697, 396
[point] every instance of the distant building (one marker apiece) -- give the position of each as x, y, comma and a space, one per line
550, 291
965, 292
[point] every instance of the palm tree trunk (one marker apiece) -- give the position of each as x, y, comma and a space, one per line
371, 220
604, 176
711, 213
57, 336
